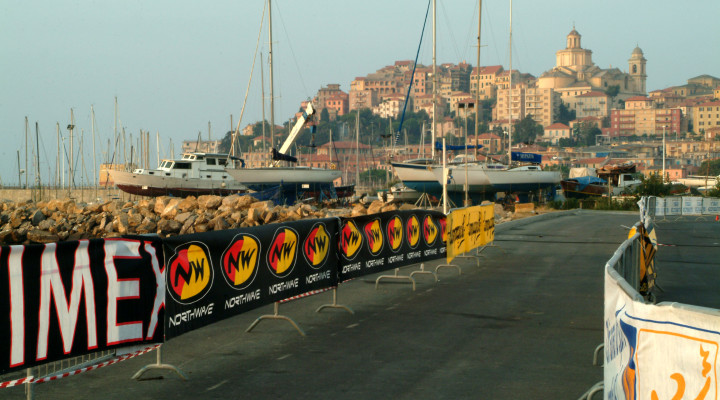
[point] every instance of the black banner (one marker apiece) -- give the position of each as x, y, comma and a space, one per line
379, 242
216, 275
67, 299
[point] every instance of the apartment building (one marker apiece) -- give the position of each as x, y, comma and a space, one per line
553, 133
640, 117
592, 104
541, 103
706, 115
483, 79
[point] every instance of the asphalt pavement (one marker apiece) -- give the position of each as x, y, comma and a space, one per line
522, 325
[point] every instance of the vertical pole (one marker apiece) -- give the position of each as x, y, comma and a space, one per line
467, 183
26, 152
510, 95
477, 91
95, 174
262, 94
357, 148
19, 170
444, 177
37, 159
663, 168
157, 146
58, 162
270, 64
434, 81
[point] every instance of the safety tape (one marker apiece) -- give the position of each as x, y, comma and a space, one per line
306, 294
78, 371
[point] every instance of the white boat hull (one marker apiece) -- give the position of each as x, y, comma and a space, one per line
159, 184
259, 178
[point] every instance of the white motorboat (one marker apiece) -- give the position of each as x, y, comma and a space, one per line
193, 174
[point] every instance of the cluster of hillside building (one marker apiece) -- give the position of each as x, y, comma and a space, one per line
615, 101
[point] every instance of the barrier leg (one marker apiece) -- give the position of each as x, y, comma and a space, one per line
600, 347
449, 266
470, 256
596, 388
395, 277
335, 304
29, 385
159, 365
422, 271
275, 316
491, 245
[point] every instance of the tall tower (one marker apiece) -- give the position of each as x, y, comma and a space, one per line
573, 56
636, 65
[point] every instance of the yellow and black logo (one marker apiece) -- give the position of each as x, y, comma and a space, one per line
374, 236
191, 273
282, 253
317, 244
350, 240
413, 231
240, 261
430, 230
395, 233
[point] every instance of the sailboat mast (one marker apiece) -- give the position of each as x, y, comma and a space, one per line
357, 148
510, 95
95, 174
434, 83
262, 94
26, 153
477, 90
270, 64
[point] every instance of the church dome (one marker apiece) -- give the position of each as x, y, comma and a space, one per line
637, 51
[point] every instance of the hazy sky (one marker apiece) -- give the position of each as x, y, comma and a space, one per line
177, 65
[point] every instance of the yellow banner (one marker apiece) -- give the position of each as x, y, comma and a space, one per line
469, 228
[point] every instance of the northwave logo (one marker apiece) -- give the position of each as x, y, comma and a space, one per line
317, 244
430, 230
350, 240
190, 273
282, 253
395, 233
240, 261
413, 231
374, 236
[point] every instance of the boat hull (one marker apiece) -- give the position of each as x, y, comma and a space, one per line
571, 190
262, 178
418, 177
154, 185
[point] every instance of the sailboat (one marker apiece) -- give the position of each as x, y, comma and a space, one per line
294, 182
416, 174
486, 179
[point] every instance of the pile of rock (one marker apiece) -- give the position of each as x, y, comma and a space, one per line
56, 220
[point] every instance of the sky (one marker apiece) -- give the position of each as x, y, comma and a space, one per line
177, 65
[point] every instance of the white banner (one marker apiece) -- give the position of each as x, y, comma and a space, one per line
673, 205
659, 206
711, 206
658, 351
692, 205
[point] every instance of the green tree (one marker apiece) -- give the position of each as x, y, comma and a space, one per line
587, 134
710, 167
324, 115
564, 114
653, 186
526, 130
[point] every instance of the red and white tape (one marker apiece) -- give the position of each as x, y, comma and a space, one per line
77, 371
306, 294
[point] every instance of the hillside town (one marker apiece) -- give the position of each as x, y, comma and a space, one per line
576, 114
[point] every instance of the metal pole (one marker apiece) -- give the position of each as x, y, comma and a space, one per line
26, 152
434, 80
444, 176
19, 170
477, 91
95, 174
262, 89
510, 95
357, 148
272, 95
467, 184
663, 168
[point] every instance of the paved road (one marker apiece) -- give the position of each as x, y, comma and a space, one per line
522, 325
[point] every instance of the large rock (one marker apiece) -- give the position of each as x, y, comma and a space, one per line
122, 224
375, 207
209, 201
40, 236
358, 210
245, 201
160, 204
218, 224
171, 209
406, 206
37, 217
168, 226
389, 207
188, 204
146, 226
